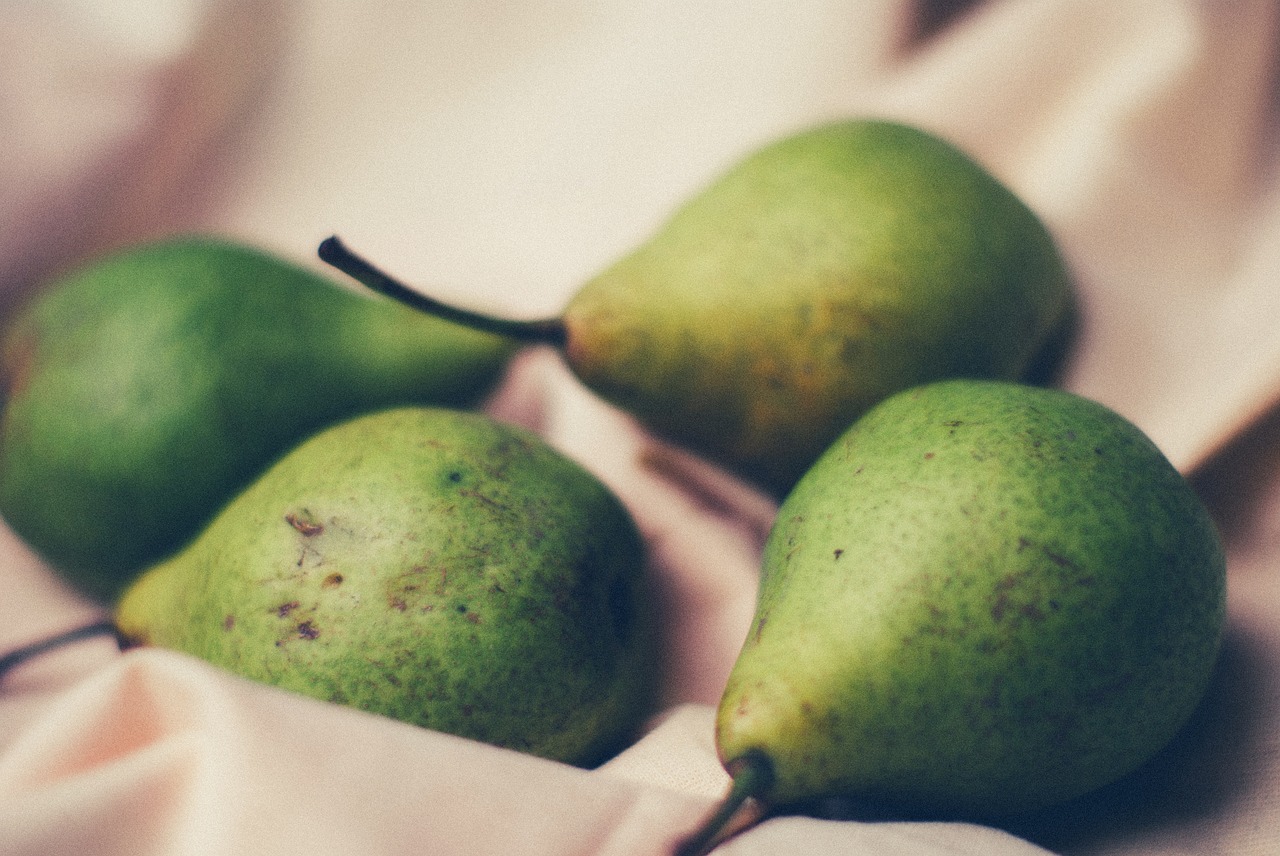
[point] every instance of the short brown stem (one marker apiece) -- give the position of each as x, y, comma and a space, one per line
753, 777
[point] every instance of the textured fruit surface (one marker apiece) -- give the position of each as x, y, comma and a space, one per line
428, 565
984, 598
142, 391
817, 276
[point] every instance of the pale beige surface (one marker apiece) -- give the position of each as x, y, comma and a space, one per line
499, 152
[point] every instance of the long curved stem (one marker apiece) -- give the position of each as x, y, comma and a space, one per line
543, 331
752, 777
18, 656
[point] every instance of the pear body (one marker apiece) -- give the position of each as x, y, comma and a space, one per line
143, 390
817, 276
984, 598
429, 565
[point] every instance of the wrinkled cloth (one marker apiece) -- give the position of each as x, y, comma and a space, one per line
497, 154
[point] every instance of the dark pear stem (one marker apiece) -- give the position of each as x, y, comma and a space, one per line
753, 776
18, 656
332, 251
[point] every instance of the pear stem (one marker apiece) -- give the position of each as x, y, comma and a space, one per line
18, 656
332, 251
753, 776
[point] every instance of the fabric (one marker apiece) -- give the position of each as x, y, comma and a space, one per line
497, 154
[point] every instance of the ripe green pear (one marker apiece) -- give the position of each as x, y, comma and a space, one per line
143, 390
431, 565
985, 598
818, 275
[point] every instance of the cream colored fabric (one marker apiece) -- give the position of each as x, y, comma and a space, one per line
497, 154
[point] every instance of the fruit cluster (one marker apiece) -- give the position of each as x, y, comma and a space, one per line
981, 595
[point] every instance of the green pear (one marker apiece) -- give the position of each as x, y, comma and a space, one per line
431, 565
141, 391
985, 598
818, 275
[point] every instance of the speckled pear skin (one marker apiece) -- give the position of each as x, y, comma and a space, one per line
141, 391
433, 566
815, 277
985, 598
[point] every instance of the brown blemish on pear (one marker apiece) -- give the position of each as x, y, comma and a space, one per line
1000, 631
473, 580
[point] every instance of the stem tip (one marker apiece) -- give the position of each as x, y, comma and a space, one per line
753, 777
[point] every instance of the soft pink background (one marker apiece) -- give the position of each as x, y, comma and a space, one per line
498, 153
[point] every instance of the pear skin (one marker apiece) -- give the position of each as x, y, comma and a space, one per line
429, 565
141, 391
816, 276
985, 598
819, 275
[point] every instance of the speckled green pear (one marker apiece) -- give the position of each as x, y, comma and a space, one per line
986, 597
141, 391
430, 565
817, 275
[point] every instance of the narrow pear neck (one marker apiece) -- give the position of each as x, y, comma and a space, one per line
550, 331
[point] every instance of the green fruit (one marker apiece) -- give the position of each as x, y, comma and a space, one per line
817, 276
985, 598
142, 391
430, 565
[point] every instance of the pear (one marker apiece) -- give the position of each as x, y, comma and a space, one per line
430, 565
141, 391
985, 598
813, 278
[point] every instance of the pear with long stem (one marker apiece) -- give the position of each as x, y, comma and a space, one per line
817, 276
